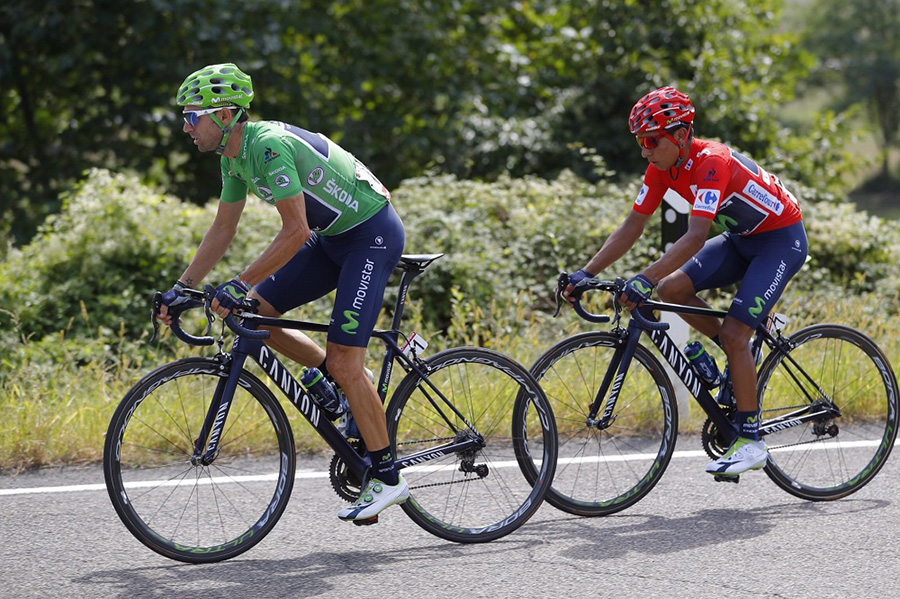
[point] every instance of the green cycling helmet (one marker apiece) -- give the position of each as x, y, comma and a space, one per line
216, 85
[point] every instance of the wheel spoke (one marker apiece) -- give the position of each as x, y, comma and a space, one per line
830, 457
190, 511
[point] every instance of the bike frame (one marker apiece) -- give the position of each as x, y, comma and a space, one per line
244, 347
688, 375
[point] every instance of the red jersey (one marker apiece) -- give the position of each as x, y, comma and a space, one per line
725, 186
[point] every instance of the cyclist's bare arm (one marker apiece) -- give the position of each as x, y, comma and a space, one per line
616, 245
215, 242
681, 251
294, 233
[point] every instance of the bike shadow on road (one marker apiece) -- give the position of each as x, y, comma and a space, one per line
613, 536
314, 574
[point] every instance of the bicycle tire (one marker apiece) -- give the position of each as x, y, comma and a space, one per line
482, 495
194, 513
814, 461
601, 472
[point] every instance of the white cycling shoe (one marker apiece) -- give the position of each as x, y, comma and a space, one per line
375, 497
744, 454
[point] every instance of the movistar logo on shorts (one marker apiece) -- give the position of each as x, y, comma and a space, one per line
365, 279
758, 308
776, 282
352, 324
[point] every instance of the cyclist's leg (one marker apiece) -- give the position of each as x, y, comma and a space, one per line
307, 276
385, 487
716, 265
367, 255
346, 365
774, 258
735, 337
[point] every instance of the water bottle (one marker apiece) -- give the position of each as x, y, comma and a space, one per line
323, 393
704, 363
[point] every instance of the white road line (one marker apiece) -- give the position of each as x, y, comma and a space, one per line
312, 474
152, 483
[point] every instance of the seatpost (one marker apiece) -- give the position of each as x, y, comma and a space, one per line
409, 273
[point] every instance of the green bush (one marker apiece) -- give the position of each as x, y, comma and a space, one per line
92, 269
508, 240
97, 263
850, 251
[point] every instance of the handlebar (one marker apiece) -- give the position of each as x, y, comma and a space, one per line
197, 299
615, 288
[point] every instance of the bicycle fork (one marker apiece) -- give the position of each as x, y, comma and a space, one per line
612, 381
206, 445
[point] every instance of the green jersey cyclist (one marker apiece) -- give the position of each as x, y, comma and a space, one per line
339, 232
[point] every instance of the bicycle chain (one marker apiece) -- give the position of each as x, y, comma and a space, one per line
781, 409
800, 443
452, 482
418, 441
708, 438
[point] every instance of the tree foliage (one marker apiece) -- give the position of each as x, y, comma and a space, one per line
859, 40
473, 88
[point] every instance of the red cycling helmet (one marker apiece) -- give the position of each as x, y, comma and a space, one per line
661, 109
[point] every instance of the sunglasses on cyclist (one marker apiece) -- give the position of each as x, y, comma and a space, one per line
652, 141
192, 117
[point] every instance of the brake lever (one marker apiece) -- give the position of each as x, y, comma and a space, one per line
561, 283
155, 303
209, 293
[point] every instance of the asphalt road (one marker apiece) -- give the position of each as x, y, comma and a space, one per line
691, 537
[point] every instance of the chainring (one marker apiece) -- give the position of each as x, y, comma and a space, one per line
714, 444
345, 484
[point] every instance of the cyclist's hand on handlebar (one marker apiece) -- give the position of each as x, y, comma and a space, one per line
637, 291
173, 298
229, 296
574, 280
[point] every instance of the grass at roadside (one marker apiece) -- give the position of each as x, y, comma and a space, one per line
55, 404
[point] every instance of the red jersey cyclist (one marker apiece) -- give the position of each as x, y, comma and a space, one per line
763, 246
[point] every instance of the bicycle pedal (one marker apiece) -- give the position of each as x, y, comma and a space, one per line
727, 478
367, 521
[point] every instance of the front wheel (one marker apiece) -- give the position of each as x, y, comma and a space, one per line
840, 375
485, 401
603, 471
192, 512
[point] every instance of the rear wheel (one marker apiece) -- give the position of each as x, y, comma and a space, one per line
600, 472
488, 401
193, 512
840, 374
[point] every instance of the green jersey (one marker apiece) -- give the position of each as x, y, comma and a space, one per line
278, 161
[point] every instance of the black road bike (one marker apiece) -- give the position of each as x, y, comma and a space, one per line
827, 393
199, 457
